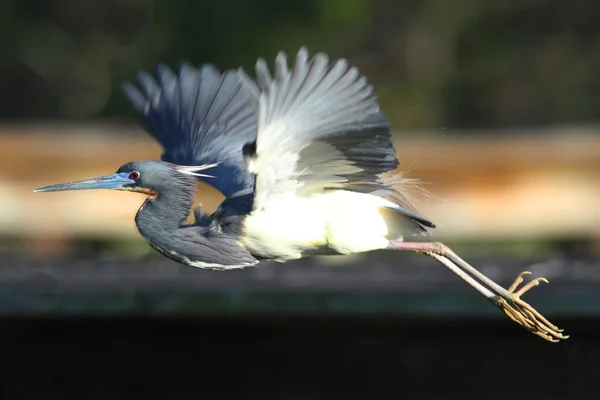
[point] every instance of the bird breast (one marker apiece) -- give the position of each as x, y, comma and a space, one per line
339, 221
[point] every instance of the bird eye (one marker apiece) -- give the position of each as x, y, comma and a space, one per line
134, 175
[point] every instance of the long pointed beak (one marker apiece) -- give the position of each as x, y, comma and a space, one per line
113, 181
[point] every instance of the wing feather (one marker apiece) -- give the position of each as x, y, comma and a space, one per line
199, 116
319, 128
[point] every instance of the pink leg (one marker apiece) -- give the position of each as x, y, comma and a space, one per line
508, 301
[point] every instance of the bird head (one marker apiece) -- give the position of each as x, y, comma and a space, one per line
148, 177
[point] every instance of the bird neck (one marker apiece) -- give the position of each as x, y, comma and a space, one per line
166, 211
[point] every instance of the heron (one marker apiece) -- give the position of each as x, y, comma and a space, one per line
303, 155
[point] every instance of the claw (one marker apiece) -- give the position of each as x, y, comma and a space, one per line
530, 285
518, 280
525, 315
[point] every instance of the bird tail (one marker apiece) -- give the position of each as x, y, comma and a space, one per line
403, 197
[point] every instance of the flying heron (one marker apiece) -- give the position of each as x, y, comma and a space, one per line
305, 160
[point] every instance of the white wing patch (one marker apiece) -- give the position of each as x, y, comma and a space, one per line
297, 111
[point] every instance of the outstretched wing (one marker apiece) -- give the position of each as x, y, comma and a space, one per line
320, 128
199, 116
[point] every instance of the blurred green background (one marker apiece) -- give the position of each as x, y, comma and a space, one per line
435, 64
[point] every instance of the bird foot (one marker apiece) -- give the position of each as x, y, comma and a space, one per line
525, 315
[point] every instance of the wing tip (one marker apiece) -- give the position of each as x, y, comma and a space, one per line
248, 84
162, 68
138, 101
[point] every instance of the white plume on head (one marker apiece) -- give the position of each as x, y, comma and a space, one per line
193, 169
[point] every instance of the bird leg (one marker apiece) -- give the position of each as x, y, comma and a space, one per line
508, 300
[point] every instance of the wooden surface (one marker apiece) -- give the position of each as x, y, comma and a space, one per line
373, 283
540, 184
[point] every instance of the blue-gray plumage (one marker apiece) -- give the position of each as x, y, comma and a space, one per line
306, 161
200, 116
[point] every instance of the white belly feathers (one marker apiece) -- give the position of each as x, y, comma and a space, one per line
345, 222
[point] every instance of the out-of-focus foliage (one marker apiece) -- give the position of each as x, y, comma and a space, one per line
434, 63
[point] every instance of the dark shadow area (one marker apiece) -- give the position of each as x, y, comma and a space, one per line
294, 358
